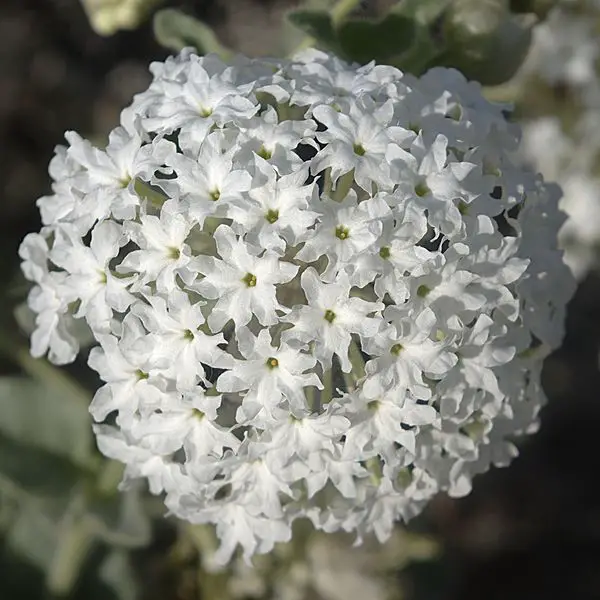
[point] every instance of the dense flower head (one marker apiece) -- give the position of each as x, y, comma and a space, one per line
318, 290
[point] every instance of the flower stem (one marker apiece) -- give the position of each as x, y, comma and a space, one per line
327, 183
146, 192
357, 361
343, 186
326, 394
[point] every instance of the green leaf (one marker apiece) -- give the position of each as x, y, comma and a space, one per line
37, 472
32, 535
405, 37
51, 417
540, 8
116, 572
317, 24
74, 542
363, 40
425, 12
56, 544
422, 54
485, 41
427, 44
120, 519
176, 30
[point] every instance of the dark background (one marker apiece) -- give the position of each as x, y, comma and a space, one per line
530, 531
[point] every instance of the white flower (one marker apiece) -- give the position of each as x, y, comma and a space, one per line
179, 347
330, 317
319, 291
404, 351
187, 423
358, 141
381, 422
209, 182
90, 279
242, 283
162, 252
125, 368
269, 373
274, 141
202, 100
344, 230
277, 212
49, 300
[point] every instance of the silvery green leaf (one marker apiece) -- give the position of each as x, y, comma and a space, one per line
365, 40
176, 30
485, 40
115, 571
317, 24
37, 472
45, 418
32, 535
120, 519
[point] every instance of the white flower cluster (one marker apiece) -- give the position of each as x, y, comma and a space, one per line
319, 290
565, 56
566, 49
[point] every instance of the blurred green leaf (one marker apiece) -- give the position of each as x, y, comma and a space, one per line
37, 472
380, 40
176, 30
45, 418
120, 519
116, 572
32, 535
485, 41
406, 36
538, 7
317, 24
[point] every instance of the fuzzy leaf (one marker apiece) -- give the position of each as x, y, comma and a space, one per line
45, 418
176, 30
316, 23
363, 41
120, 519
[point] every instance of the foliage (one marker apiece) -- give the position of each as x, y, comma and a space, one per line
59, 501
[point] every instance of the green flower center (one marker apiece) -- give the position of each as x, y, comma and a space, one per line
198, 414
272, 362
250, 280
385, 253
125, 181
272, 216
422, 291
396, 349
264, 153
329, 316
215, 195
342, 232
421, 189
359, 149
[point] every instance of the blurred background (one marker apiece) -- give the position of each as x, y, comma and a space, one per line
529, 531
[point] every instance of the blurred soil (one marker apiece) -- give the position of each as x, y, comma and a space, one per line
527, 532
